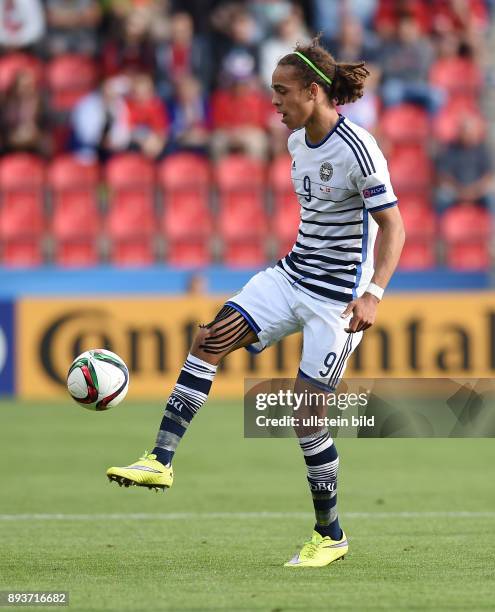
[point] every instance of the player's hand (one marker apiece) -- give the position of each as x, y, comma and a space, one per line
363, 312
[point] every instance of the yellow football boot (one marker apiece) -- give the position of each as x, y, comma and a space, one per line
320, 551
147, 472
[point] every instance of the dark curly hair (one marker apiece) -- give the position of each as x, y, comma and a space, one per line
347, 78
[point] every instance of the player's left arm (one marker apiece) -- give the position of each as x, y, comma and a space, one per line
390, 245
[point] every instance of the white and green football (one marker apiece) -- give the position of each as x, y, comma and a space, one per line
98, 379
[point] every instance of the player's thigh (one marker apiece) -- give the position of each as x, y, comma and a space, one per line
266, 302
228, 332
326, 345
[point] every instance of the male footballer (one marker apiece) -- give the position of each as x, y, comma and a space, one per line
328, 286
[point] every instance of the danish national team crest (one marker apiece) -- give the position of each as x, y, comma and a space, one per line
326, 171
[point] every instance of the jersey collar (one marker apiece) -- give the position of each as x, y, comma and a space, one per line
318, 144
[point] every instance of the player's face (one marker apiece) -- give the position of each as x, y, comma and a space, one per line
291, 99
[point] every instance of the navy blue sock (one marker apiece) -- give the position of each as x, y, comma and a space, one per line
188, 395
322, 461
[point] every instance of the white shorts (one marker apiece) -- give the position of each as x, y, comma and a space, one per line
275, 308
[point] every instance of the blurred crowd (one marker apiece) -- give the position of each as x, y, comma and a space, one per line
98, 77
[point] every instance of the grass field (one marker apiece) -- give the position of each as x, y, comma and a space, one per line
420, 515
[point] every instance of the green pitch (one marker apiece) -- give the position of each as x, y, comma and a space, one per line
235, 515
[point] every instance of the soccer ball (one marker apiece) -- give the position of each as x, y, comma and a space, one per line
98, 379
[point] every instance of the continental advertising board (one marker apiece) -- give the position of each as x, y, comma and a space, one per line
429, 335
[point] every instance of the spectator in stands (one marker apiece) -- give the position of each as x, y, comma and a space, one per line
188, 110
456, 57
269, 15
465, 170
353, 44
22, 23
406, 59
288, 32
390, 12
182, 54
130, 47
147, 116
329, 14
240, 111
197, 284
235, 35
21, 116
468, 17
99, 121
200, 11
73, 26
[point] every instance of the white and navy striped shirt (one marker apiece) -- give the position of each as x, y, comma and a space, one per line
338, 182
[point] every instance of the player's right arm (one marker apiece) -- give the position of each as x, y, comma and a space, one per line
390, 244
380, 201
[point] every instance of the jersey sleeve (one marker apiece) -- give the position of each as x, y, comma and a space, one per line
372, 180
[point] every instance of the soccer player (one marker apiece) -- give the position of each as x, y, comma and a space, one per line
327, 286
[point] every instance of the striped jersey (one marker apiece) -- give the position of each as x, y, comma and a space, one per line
338, 182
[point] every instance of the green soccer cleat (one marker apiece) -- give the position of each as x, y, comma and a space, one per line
147, 472
320, 551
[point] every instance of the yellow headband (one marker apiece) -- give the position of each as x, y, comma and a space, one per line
313, 67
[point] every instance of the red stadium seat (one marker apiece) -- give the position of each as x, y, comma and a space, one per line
466, 229
411, 171
67, 172
21, 215
466, 221
77, 253
184, 172
70, 77
74, 198
189, 253
130, 215
187, 215
419, 223
130, 171
21, 252
469, 256
405, 123
21, 171
408, 201
419, 249
244, 253
456, 75
12, 63
242, 216
239, 172
447, 122
75, 215
132, 252
417, 255
279, 174
285, 202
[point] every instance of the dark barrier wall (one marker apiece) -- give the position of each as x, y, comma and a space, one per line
7, 358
